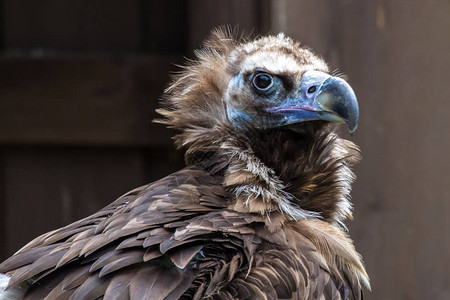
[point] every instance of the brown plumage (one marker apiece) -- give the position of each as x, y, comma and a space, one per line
256, 214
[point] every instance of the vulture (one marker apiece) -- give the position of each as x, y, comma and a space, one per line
257, 213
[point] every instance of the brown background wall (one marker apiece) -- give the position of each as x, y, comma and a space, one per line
79, 82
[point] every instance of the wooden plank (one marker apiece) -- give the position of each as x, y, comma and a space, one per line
2, 27
82, 100
397, 56
319, 30
158, 35
101, 25
3, 213
46, 188
159, 162
205, 15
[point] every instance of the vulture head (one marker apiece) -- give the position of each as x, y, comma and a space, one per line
275, 87
270, 108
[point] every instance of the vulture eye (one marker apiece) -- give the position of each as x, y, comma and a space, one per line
262, 81
312, 89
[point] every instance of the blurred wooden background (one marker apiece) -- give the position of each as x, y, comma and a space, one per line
79, 82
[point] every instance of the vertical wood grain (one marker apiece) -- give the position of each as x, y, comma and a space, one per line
3, 229
205, 15
55, 25
49, 187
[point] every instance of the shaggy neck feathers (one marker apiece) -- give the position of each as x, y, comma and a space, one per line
302, 177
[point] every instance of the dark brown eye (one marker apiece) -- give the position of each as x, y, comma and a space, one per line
312, 89
262, 81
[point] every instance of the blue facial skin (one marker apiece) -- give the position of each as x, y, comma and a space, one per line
237, 116
320, 97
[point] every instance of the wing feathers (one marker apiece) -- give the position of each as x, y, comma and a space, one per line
151, 253
181, 257
92, 288
182, 287
26, 257
119, 286
75, 278
37, 267
130, 243
112, 256
131, 258
154, 283
168, 243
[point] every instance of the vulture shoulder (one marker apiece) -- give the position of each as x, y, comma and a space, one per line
177, 238
258, 211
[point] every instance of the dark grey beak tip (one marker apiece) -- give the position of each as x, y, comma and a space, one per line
352, 121
344, 103
352, 129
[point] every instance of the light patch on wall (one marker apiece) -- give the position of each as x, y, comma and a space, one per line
380, 17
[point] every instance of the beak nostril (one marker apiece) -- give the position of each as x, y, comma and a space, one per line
312, 89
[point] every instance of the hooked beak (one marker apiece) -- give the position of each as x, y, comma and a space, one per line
321, 97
